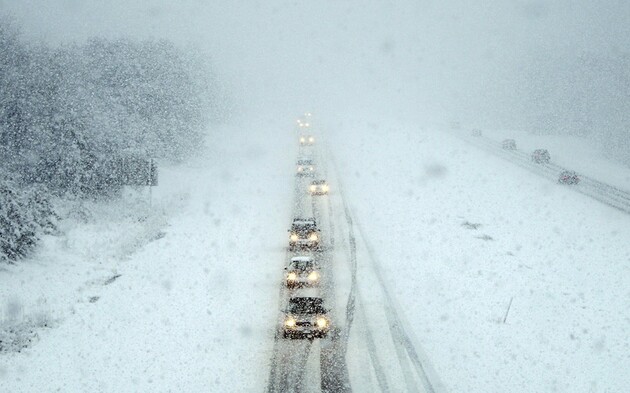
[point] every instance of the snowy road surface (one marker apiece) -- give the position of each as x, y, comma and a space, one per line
610, 195
295, 365
437, 251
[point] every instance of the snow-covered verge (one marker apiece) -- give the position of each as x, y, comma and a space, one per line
464, 236
186, 305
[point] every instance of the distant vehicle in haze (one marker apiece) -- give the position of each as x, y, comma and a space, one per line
307, 140
509, 144
305, 167
541, 156
318, 187
476, 132
568, 177
305, 121
302, 271
306, 317
304, 234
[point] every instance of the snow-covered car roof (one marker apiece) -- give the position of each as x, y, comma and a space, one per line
304, 221
301, 259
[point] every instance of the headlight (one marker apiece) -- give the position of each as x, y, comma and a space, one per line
313, 188
325, 188
321, 322
290, 322
313, 276
310, 168
300, 169
302, 140
311, 139
291, 276
313, 237
294, 237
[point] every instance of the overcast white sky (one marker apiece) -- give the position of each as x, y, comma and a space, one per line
413, 59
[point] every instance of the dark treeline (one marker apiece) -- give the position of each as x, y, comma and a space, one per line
67, 113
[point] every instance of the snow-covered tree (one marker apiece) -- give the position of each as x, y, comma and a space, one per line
69, 114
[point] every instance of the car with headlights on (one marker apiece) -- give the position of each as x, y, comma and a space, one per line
509, 144
307, 140
305, 121
302, 271
305, 167
304, 234
318, 187
568, 177
306, 317
541, 156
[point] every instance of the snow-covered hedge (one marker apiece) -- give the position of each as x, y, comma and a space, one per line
25, 214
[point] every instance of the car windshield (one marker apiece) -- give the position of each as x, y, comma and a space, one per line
306, 306
302, 265
305, 162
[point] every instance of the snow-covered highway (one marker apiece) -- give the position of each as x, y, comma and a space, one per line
608, 194
428, 240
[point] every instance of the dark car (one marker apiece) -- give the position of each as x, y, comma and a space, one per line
306, 317
304, 234
303, 271
509, 144
541, 156
476, 132
568, 177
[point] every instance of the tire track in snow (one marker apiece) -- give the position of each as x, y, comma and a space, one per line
333, 365
352, 297
398, 326
402, 340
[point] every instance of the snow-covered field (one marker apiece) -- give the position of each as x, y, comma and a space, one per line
460, 235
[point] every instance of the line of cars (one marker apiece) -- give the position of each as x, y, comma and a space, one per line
305, 316
539, 156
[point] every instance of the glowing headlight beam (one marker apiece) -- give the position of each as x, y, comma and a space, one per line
290, 322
